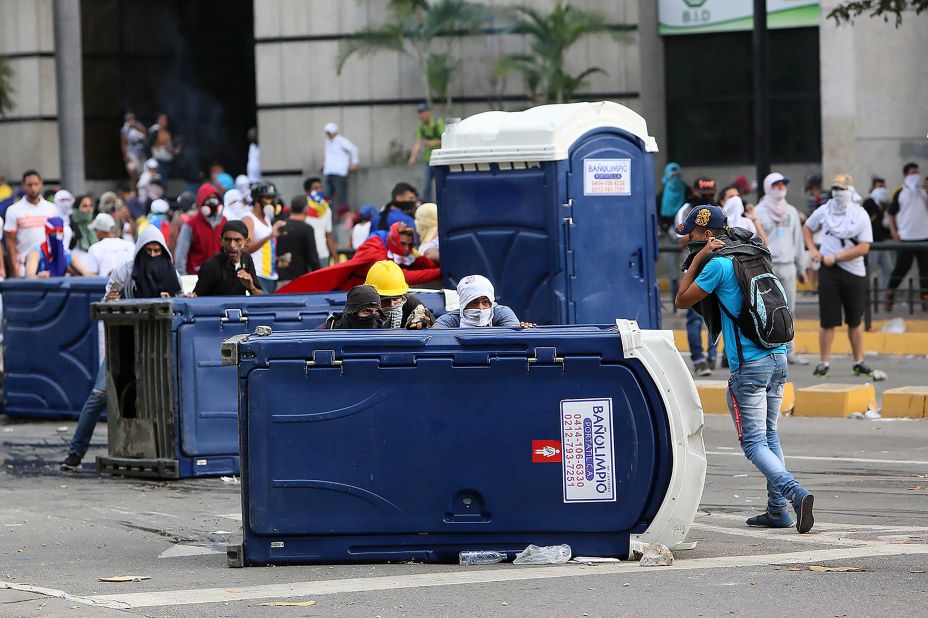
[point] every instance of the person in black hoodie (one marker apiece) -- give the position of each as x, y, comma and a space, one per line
362, 310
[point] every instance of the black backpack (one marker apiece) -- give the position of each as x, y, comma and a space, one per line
765, 316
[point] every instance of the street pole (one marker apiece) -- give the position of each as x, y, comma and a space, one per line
69, 88
761, 96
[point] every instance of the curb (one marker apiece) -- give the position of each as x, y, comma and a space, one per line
837, 400
806, 342
905, 402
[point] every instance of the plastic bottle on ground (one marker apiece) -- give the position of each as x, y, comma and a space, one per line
474, 558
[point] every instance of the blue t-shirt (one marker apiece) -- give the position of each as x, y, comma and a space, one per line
718, 277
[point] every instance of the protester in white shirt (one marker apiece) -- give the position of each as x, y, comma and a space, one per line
908, 222
846, 238
781, 223
109, 252
341, 157
25, 222
253, 166
362, 229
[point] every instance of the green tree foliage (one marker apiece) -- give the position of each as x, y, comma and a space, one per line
551, 35
847, 11
423, 30
6, 87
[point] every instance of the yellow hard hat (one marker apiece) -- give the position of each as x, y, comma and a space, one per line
387, 278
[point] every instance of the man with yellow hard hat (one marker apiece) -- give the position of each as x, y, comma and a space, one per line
402, 309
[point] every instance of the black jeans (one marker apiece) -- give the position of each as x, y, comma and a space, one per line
904, 260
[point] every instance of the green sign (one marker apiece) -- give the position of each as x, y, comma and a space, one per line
699, 16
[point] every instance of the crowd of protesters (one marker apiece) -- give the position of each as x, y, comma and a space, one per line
824, 238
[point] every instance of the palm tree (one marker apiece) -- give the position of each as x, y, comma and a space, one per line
418, 28
551, 35
6, 89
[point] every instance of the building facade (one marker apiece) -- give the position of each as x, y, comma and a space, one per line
843, 98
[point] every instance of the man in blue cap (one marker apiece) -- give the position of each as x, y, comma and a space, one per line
755, 388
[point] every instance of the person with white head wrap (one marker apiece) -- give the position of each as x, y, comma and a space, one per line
781, 222
478, 307
64, 201
846, 238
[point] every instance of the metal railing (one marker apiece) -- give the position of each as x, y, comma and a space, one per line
875, 294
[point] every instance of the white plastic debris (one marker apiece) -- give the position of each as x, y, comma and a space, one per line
656, 554
231, 480
549, 554
895, 326
878, 375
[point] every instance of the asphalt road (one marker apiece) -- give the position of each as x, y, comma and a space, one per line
60, 533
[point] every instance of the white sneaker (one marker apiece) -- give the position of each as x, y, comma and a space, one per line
795, 359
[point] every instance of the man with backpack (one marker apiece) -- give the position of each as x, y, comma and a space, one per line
846, 237
729, 280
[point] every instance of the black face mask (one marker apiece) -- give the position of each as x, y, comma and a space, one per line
406, 206
353, 320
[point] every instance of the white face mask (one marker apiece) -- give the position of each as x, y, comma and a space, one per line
842, 199
880, 195
912, 180
777, 194
269, 212
476, 317
733, 206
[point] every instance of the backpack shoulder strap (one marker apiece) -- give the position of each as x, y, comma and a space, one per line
734, 323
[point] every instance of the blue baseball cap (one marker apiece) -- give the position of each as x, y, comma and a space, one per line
703, 216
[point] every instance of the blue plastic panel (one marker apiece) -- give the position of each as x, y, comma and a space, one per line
612, 238
419, 446
51, 349
207, 405
554, 254
504, 224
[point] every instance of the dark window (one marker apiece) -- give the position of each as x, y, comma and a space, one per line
195, 61
710, 101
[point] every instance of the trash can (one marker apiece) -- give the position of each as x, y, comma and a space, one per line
51, 349
556, 205
173, 406
415, 446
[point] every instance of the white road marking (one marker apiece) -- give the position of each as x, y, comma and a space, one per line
832, 528
59, 594
482, 576
787, 534
234, 516
182, 551
907, 462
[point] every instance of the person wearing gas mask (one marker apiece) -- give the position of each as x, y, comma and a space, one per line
780, 222
263, 232
846, 238
199, 238
362, 310
234, 206
908, 223
478, 307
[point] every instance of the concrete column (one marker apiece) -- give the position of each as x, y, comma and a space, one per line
653, 98
68, 79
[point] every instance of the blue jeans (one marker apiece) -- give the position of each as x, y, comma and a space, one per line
90, 414
758, 389
336, 187
694, 337
428, 175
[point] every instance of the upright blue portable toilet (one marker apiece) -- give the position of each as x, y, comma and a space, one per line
51, 348
556, 206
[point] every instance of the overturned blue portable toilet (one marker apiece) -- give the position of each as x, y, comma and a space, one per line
172, 404
405, 445
556, 206
51, 348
